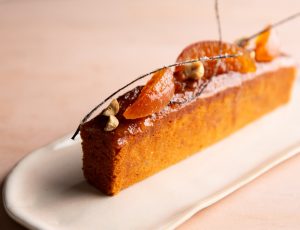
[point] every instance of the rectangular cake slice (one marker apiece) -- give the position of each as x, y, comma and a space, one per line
141, 147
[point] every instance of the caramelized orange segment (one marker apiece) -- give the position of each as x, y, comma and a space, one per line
155, 95
242, 64
267, 46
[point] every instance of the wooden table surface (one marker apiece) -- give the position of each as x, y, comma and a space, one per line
59, 58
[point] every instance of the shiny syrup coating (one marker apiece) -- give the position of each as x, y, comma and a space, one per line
178, 93
242, 64
155, 95
267, 46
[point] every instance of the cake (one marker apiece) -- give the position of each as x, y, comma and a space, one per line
185, 110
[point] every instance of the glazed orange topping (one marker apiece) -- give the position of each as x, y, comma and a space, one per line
155, 95
267, 46
243, 63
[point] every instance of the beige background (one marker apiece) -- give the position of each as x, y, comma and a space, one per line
58, 58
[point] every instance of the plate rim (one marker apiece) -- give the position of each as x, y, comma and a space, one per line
12, 212
18, 215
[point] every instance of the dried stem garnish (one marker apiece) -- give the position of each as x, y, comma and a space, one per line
219, 33
205, 84
201, 59
244, 41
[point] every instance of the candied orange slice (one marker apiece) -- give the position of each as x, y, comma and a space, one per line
242, 64
155, 95
267, 46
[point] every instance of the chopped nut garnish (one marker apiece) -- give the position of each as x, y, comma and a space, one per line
194, 71
112, 109
112, 123
252, 54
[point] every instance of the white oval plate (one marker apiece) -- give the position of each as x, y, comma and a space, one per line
46, 190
